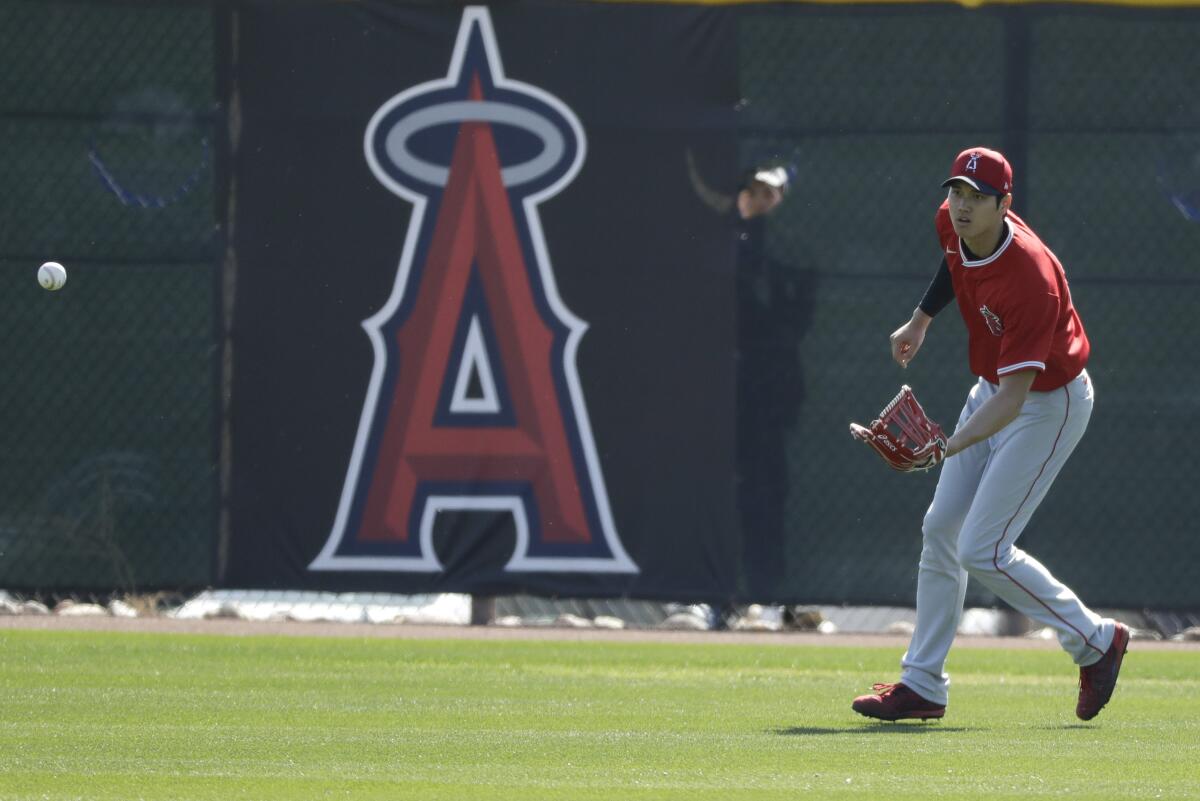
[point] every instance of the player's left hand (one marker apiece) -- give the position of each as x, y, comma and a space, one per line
917, 443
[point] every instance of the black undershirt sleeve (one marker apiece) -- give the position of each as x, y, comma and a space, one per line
939, 293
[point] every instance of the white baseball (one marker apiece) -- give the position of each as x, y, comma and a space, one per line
52, 275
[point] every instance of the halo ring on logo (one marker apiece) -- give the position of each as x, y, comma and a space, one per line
396, 142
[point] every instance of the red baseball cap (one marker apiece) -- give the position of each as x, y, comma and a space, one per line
987, 171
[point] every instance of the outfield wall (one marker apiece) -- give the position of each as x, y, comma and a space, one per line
394, 297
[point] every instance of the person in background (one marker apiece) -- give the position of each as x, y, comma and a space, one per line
774, 308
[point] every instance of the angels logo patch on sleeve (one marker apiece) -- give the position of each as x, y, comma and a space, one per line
474, 402
994, 324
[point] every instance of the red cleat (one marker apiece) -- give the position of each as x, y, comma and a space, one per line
896, 702
1097, 682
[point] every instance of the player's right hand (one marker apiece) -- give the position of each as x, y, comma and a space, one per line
906, 341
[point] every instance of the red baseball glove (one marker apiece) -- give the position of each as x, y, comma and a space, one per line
903, 436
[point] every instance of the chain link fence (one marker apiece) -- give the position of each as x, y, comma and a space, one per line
1100, 113
109, 127
107, 475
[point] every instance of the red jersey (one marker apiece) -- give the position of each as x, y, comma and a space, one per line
1017, 307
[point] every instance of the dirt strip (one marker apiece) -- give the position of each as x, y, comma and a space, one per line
245, 628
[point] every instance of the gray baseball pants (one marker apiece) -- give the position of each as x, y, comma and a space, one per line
984, 498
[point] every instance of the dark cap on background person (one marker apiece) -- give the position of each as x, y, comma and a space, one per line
984, 170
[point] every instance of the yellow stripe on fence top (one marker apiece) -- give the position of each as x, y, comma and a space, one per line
965, 3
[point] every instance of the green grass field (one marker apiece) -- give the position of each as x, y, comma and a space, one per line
172, 716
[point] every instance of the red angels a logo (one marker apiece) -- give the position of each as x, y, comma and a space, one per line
993, 320
475, 407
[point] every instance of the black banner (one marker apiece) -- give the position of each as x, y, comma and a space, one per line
485, 327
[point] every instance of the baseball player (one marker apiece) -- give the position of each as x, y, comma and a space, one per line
1019, 425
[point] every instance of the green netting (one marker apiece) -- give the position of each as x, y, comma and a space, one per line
107, 474
1103, 113
108, 120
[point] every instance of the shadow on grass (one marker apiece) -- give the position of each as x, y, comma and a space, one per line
869, 728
